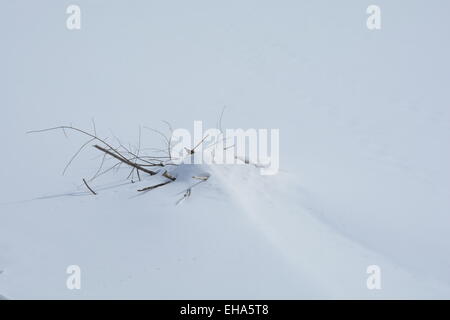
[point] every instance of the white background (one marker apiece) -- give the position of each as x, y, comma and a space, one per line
364, 128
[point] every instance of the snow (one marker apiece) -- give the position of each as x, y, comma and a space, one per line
364, 133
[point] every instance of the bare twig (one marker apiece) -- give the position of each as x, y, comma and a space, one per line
83, 132
219, 122
76, 154
99, 168
155, 186
163, 136
87, 186
186, 195
107, 170
131, 157
169, 142
125, 160
93, 125
138, 151
203, 178
168, 176
192, 151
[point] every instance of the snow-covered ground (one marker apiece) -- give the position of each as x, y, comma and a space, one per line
364, 123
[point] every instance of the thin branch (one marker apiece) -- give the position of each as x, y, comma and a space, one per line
93, 125
138, 151
99, 168
81, 131
155, 186
203, 178
160, 133
169, 143
193, 149
186, 195
125, 160
219, 123
107, 170
169, 176
90, 189
76, 154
